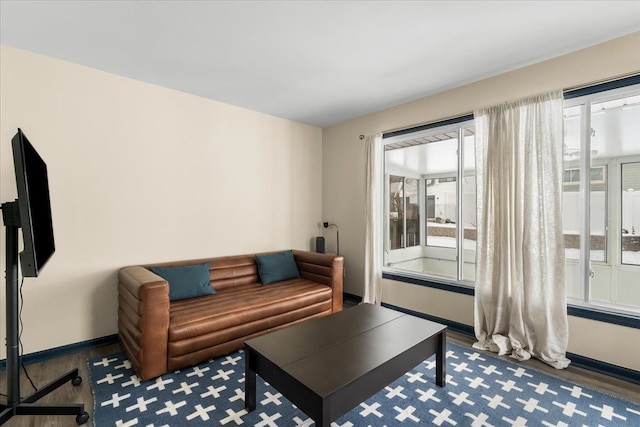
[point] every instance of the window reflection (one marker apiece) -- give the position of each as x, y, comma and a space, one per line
412, 209
396, 212
630, 213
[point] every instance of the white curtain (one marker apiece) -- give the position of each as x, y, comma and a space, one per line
373, 218
520, 298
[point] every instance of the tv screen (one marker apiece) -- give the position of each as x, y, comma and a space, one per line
34, 205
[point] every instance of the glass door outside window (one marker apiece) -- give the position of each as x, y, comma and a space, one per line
601, 207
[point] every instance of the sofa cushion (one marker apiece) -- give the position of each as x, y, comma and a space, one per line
203, 322
188, 281
277, 267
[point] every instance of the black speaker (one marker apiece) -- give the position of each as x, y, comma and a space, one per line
320, 244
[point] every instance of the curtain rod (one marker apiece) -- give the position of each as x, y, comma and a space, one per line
599, 82
413, 128
576, 88
610, 84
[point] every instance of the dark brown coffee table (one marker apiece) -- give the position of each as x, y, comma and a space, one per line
326, 366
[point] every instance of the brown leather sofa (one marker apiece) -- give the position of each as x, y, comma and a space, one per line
160, 336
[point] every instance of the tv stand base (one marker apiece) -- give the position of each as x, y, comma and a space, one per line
26, 406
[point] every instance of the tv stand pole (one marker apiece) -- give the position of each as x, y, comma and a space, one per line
15, 405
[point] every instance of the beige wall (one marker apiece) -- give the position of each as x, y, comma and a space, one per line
140, 173
343, 177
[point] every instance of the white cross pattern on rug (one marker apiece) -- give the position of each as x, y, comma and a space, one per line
481, 391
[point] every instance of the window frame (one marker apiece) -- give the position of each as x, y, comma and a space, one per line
458, 124
613, 205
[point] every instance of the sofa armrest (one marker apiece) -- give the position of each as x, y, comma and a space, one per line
326, 269
143, 320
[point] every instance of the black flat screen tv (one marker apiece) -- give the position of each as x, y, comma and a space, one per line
34, 205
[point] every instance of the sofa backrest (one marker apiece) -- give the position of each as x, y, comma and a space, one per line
228, 272
238, 270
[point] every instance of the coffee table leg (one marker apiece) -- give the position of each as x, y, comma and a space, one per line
249, 381
441, 359
324, 420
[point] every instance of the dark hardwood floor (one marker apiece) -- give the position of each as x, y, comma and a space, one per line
43, 372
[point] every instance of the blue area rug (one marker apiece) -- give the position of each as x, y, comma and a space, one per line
481, 390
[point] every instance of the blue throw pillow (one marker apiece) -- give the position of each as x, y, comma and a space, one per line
276, 267
189, 281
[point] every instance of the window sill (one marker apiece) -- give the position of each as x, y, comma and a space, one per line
630, 321
592, 313
430, 283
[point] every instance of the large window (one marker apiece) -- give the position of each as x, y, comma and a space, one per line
430, 209
601, 201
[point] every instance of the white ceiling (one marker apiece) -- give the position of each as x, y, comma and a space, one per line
317, 62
